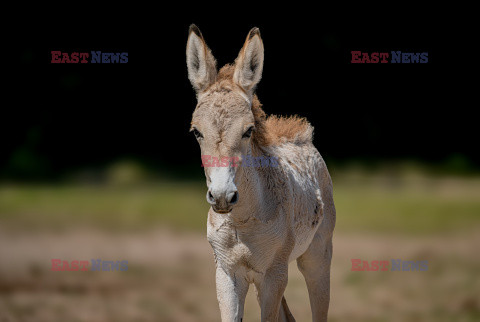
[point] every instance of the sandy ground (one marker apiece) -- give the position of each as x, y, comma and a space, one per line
170, 277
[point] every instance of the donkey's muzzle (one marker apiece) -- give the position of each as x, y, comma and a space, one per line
222, 201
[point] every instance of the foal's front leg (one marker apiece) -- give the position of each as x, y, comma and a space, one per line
270, 293
231, 292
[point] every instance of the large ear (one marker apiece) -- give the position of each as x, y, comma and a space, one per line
249, 64
202, 70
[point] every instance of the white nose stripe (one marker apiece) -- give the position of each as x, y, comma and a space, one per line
222, 180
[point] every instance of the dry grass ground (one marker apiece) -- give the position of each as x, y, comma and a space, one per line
160, 229
170, 277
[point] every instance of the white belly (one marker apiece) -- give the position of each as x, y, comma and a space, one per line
302, 242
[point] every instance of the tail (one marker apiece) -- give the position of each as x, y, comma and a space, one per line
285, 314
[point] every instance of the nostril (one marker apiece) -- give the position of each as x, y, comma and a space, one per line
234, 198
210, 198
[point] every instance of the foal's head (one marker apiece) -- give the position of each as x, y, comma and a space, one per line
223, 121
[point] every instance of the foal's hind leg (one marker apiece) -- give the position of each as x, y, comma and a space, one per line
315, 267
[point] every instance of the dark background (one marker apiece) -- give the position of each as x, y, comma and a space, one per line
66, 117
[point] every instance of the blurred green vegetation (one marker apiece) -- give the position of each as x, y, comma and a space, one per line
393, 200
407, 204
170, 278
110, 207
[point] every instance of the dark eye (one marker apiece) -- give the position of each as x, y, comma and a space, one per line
197, 134
248, 133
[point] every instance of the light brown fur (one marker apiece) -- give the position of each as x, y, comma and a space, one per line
272, 130
261, 218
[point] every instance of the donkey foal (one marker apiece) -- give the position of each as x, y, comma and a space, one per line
261, 218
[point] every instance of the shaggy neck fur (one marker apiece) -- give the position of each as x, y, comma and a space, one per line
272, 130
